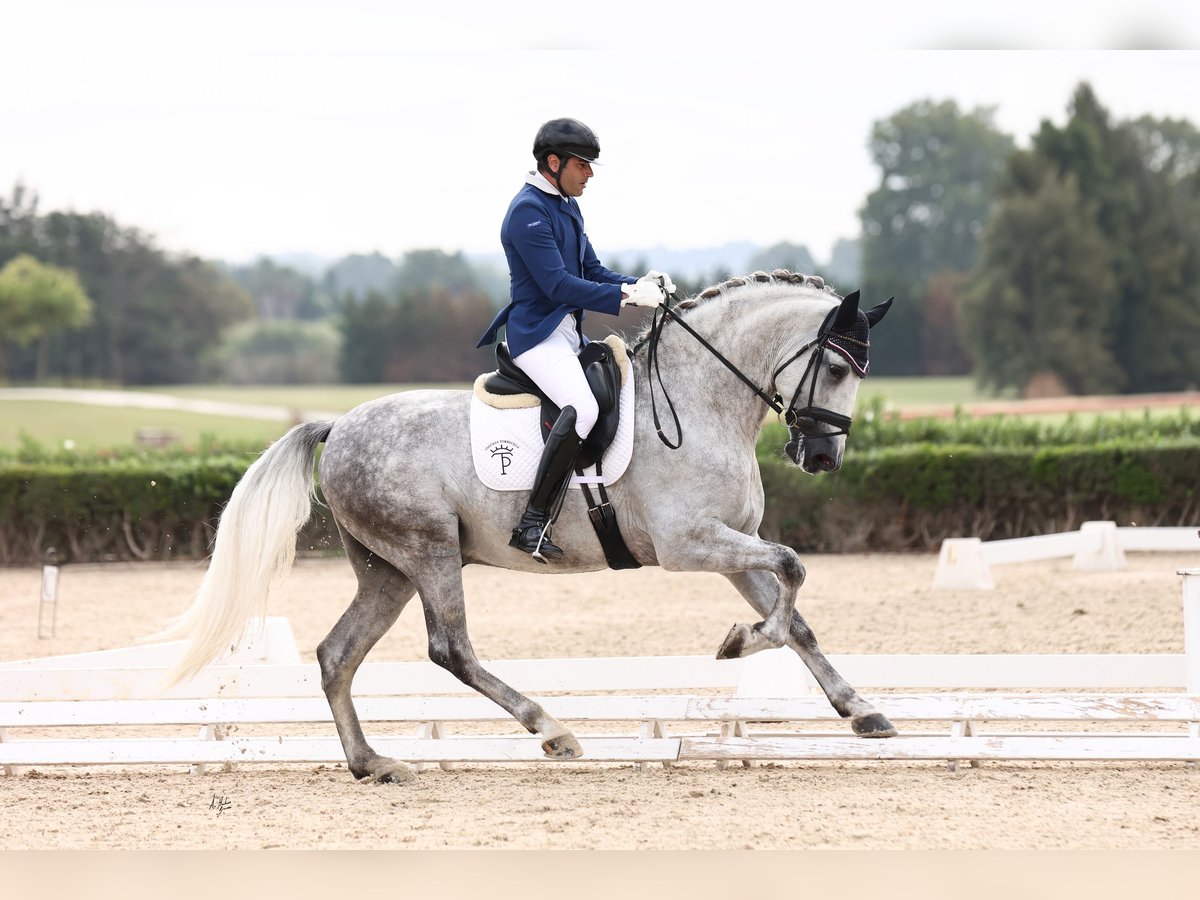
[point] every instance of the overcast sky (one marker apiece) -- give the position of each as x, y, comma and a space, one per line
232, 129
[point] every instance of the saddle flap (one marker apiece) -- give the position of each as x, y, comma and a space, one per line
603, 375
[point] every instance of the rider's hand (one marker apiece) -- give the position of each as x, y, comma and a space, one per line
662, 279
642, 293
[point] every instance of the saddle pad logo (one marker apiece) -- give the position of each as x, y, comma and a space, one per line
502, 452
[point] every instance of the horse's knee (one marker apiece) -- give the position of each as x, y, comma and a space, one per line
439, 652
791, 569
587, 413
330, 654
450, 656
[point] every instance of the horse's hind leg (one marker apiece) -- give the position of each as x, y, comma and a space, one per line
761, 590
382, 594
439, 580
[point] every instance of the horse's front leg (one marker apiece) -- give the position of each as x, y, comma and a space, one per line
761, 591
715, 547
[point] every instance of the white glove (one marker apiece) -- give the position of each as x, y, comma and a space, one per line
642, 293
662, 279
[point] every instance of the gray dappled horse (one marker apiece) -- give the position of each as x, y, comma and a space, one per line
398, 476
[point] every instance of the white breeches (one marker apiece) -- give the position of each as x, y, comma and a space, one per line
553, 365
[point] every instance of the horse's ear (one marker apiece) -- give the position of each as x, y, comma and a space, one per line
847, 313
877, 312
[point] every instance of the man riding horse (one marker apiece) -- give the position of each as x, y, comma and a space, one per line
554, 276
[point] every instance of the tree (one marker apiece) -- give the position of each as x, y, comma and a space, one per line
435, 330
938, 167
155, 314
281, 293
366, 327
358, 274
278, 353
1142, 179
36, 302
1039, 305
941, 325
424, 269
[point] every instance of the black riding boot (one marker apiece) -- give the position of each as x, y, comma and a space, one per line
532, 534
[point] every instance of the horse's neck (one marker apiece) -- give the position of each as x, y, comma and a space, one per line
753, 336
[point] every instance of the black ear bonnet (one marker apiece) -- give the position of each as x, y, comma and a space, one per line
851, 342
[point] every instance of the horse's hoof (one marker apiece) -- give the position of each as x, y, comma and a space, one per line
734, 645
873, 725
562, 747
388, 771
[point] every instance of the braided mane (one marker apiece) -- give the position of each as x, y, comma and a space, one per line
734, 284
778, 276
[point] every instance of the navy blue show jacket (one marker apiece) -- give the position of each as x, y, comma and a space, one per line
553, 270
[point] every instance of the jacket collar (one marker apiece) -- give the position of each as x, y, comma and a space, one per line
539, 181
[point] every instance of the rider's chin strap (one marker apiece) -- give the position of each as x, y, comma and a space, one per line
557, 176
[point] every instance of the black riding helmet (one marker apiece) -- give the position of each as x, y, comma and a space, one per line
565, 138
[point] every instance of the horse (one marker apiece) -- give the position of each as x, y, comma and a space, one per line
398, 479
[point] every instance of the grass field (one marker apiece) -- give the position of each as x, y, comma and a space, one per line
51, 424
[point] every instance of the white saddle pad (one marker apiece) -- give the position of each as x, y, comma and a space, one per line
506, 444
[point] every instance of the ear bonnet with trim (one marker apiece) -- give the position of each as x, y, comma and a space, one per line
849, 328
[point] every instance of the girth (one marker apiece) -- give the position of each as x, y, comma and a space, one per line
603, 375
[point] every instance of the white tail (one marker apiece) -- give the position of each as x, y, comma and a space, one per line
254, 549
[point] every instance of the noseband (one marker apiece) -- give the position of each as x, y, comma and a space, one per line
791, 416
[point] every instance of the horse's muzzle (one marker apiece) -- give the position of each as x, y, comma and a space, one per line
814, 454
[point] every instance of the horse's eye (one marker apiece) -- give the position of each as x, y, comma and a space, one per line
837, 371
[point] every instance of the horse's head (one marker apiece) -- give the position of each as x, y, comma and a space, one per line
824, 388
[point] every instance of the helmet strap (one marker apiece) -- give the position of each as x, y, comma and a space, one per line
557, 176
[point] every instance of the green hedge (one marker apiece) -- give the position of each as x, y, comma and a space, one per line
991, 479
150, 506
911, 497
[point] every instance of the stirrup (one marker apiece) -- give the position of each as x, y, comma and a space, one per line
535, 540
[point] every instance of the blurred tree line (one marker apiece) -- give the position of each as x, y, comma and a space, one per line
1072, 265
84, 299
152, 314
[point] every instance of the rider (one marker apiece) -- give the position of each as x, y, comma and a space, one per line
554, 276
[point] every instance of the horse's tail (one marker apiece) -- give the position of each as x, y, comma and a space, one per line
254, 548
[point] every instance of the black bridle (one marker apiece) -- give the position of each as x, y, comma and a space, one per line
790, 415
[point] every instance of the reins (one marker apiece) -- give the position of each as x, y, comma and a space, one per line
789, 415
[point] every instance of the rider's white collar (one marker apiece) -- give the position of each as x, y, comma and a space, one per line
542, 183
